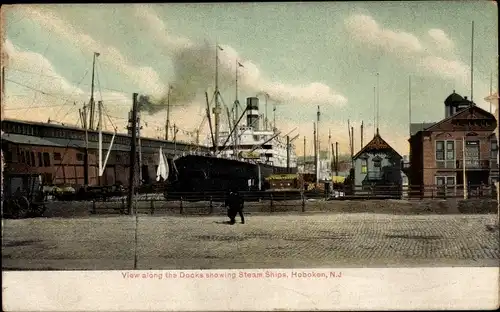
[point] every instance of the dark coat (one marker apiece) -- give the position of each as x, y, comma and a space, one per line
234, 201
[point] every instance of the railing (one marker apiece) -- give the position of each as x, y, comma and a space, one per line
212, 203
473, 164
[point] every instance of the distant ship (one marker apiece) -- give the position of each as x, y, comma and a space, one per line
241, 158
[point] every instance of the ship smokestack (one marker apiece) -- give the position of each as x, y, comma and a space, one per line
253, 112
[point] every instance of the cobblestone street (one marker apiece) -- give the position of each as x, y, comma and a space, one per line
279, 241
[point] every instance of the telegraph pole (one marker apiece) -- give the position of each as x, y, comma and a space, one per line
168, 113
86, 154
315, 154
336, 158
287, 154
133, 152
304, 154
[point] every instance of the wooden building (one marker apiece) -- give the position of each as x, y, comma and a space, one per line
57, 153
437, 149
377, 164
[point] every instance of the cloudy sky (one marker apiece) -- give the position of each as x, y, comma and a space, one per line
302, 55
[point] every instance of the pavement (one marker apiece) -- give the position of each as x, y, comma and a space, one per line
310, 240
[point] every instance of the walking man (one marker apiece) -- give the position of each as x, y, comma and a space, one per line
235, 202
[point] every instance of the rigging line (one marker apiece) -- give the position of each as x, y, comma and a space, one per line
41, 71
60, 78
69, 111
98, 81
32, 88
35, 107
76, 87
107, 115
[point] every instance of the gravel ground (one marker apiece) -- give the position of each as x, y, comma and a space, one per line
265, 241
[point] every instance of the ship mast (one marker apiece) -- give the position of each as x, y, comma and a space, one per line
92, 104
217, 109
91, 124
236, 106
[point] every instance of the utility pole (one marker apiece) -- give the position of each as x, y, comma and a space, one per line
318, 153
336, 158
267, 116
330, 153
133, 155
168, 113
287, 154
362, 134
463, 167
99, 128
352, 146
139, 145
332, 160
378, 98
86, 153
315, 154
472, 65
304, 171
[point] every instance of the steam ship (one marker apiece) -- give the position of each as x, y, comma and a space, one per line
242, 160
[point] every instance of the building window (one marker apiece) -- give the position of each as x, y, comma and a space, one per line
450, 150
439, 150
118, 157
23, 160
364, 166
8, 156
445, 186
40, 163
28, 158
32, 155
57, 156
79, 157
472, 154
494, 149
46, 159
445, 154
448, 181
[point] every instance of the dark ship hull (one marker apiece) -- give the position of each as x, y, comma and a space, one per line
198, 173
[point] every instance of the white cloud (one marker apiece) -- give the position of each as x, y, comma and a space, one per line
144, 77
61, 100
36, 63
158, 29
365, 28
440, 38
410, 49
194, 67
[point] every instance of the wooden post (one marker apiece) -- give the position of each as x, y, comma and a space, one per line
211, 210
132, 155
93, 207
181, 207
152, 206
303, 203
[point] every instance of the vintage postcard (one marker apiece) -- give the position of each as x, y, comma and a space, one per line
250, 156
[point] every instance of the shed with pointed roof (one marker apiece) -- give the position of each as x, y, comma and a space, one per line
377, 163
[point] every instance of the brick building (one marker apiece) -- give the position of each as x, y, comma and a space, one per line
57, 153
437, 149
